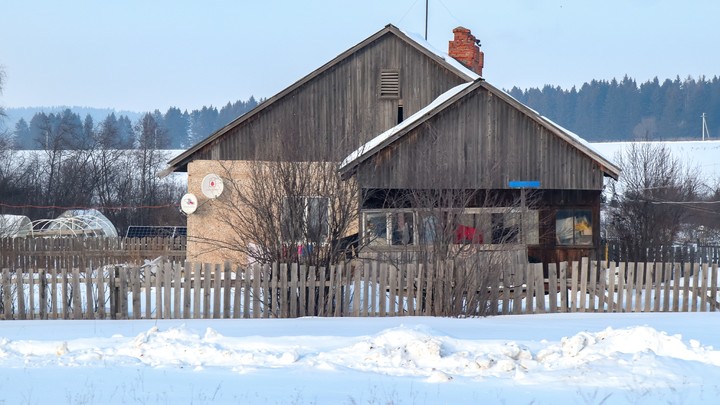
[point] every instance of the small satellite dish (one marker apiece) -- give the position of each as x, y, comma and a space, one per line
212, 185
188, 203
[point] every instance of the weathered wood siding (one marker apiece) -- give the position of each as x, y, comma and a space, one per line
480, 142
338, 110
175, 290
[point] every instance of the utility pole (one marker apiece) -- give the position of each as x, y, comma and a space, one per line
426, 18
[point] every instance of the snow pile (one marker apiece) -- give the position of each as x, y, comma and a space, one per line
645, 355
583, 358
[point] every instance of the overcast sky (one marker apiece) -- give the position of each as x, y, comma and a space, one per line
143, 55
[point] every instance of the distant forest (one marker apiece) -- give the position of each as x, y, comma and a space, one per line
181, 129
622, 111
598, 111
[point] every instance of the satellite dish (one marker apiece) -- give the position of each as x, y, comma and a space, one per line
212, 186
188, 203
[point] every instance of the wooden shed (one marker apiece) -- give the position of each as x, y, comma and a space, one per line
478, 140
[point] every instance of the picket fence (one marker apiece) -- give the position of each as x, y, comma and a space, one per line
69, 288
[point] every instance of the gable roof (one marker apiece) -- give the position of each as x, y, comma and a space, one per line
387, 138
179, 163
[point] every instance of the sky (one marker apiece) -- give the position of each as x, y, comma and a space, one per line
140, 55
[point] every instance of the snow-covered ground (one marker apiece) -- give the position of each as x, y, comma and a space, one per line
699, 156
541, 359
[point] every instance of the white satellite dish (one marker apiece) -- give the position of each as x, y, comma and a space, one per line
188, 203
212, 185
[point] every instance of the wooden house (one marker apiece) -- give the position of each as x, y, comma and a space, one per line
441, 126
328, 113
478, 141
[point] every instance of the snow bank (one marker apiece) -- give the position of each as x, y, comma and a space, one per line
613, 358
647, 356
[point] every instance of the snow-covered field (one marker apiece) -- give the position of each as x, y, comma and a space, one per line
540, 359
699, 156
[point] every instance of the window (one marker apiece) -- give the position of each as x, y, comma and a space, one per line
505, 227
574, 227
390, 83
402, 226
395, 228
305, 219
470, 226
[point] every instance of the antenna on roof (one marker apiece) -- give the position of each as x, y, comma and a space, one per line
426, 18
705, 130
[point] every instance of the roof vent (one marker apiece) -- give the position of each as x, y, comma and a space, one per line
390, 83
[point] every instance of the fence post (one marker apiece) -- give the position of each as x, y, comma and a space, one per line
552, 287
7, 294
227, 289
539, 289
42, 274
112, 292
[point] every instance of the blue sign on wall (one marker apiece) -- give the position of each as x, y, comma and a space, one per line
524, 184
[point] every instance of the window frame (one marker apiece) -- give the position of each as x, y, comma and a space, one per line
388, 236
324, 233
573, 213
529, 231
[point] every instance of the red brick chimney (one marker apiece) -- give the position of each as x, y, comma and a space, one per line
466, 49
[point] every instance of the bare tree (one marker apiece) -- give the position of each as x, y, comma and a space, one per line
283, 212
649, 205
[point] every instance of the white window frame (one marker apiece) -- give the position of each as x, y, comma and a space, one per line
530, 229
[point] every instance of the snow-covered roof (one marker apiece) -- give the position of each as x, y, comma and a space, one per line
378, 140
451, 96
575, 137
578, 139
442, 55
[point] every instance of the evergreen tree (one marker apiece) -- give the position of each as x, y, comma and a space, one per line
108, 133
126, 133
622, 110
176, 125
70, 129
203, 123
21, 135
40, 130
88, 132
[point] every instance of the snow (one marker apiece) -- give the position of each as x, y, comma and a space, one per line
700, 156
442, 55
581, 358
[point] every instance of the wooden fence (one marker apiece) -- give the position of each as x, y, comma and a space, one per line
75, 288
38, 252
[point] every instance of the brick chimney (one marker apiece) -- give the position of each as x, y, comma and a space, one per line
466, 49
